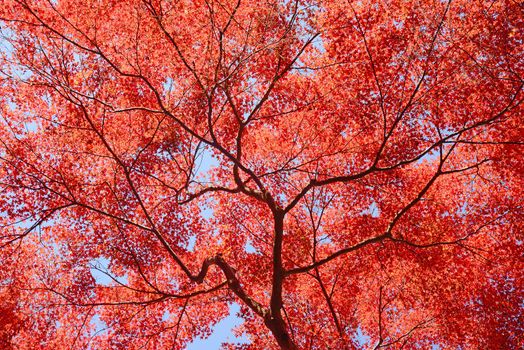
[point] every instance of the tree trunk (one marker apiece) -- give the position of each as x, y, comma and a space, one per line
278, 328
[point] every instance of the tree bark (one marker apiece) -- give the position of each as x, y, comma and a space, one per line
277, 326
274, 320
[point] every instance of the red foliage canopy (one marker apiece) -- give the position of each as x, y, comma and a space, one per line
334, 167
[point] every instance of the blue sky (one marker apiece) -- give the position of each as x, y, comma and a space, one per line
222, 333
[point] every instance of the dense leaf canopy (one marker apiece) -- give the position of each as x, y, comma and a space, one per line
349, 172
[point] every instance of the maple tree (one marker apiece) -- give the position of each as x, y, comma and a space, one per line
348, 172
